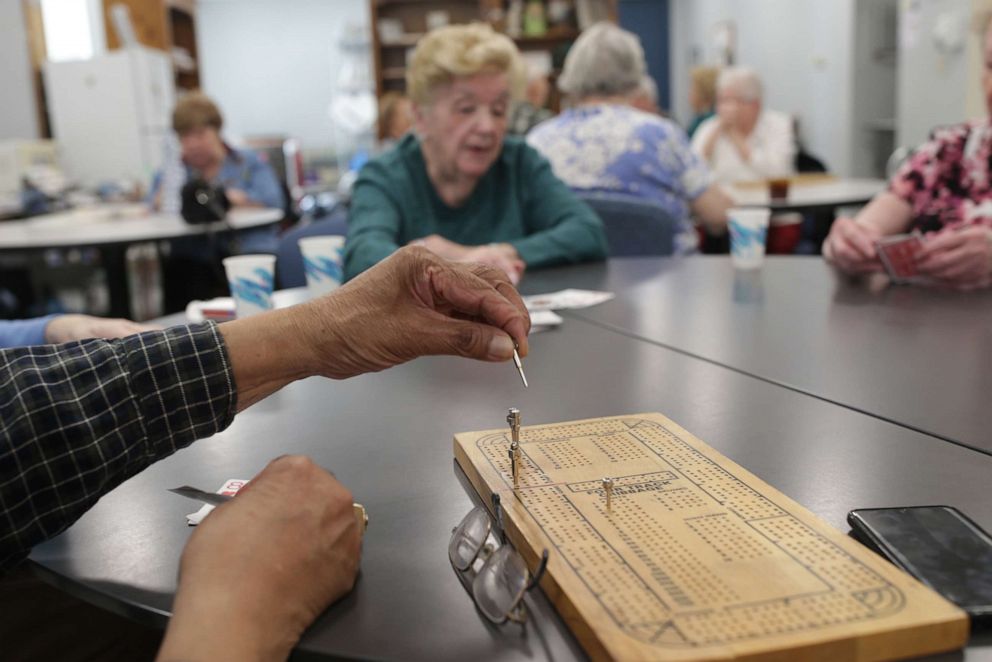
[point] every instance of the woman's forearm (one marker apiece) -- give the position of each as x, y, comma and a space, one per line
887, 213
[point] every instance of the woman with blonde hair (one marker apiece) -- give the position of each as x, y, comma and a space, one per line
702, 96
395, 117
459, 186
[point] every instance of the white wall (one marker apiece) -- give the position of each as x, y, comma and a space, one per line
17, 117
875, 60
98, 32
974, 103
937, 87
801, 48
271, 64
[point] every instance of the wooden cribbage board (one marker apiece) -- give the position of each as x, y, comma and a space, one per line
699, 559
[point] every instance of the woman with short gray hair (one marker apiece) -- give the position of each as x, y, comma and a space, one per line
605, 61
742, 81
745, 142
603, 143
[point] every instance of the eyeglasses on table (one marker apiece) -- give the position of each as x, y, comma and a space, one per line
489, 568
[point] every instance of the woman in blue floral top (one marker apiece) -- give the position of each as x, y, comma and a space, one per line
604, 144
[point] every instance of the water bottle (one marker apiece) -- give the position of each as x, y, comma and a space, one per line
173, 177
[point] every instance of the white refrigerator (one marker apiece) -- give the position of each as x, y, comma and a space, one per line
111, 114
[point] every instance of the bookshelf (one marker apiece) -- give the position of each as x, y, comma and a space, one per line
397, 25
168, 25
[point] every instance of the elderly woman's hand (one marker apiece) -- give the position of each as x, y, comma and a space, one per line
739, 140
441, 247
239, 198
500, 256
850, 247
958, 257
66, 328
728, 113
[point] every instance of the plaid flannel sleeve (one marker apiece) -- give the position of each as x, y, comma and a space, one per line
76, 420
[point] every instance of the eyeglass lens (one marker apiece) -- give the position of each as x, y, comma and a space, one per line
468, 538
500, 584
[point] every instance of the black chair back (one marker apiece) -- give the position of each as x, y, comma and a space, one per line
634, 226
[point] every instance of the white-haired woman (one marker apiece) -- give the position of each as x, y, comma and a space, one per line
745, 141
460, 187
603, 143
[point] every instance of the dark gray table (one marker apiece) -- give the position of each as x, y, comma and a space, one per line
808, 193
916, 356
111, 228
388, 437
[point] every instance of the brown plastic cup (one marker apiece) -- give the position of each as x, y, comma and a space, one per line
778, 189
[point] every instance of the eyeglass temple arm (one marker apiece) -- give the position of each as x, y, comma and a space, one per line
541, 567
498, 516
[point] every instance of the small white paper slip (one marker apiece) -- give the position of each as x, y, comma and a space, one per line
543, 320
229, 488
566, 299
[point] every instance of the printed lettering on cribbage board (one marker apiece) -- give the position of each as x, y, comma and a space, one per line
696, 558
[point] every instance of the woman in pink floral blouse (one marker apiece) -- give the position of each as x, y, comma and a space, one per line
944, 191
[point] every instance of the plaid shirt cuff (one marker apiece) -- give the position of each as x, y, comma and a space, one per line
78, 419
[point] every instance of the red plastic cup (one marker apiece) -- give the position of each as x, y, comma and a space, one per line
784, 233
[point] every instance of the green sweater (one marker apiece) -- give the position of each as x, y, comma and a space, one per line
518, 201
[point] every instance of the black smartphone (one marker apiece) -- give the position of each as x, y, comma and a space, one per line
939, 546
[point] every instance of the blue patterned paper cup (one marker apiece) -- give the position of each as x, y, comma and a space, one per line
748, 230
251, 278
323, 260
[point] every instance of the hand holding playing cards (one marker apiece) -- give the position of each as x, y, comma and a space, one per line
850, 247
960, 258
262, 567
